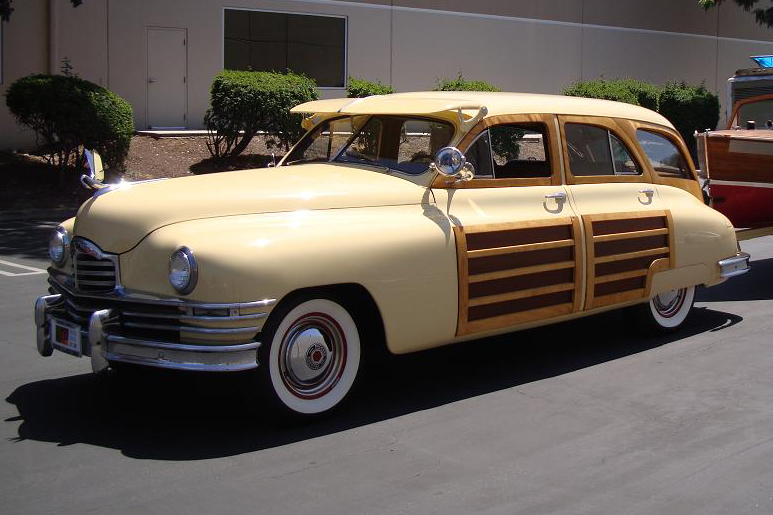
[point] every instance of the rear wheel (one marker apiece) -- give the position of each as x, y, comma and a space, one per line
666, 311
310, 356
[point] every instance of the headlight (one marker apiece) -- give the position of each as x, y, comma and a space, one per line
183, 271
59, 245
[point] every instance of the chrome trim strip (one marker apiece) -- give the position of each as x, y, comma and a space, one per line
128, 296
197, 367
193, 318
191, 329
182, 346
733, 266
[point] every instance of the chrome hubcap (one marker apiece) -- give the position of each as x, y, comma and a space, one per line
312, 356
669, 303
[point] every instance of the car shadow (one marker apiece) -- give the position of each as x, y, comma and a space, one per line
176, 416
753, 285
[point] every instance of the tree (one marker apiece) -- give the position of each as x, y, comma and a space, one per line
6, 9
763, 16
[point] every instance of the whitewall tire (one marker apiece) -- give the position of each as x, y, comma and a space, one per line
310, 356
667, 311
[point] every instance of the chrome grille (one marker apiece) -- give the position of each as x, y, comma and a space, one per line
95, 271
167, 321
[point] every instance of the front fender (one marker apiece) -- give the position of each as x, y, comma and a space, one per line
405, 256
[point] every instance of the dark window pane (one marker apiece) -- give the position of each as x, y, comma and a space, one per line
624, 162
237, 54
264, 41
588, 148
519, 151
237, 24
479, 156
268, 56
664, 156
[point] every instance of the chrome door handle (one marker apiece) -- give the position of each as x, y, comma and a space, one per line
151, 79
648, 191
560, 196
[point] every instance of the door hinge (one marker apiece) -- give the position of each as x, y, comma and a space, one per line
185, 116
185, 42
184, 79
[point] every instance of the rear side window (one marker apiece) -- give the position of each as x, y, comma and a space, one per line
596, 151
664, 156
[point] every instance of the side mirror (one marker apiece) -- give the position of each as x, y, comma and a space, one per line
451, 163
96, 176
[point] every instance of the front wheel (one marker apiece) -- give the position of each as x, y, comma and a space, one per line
310, 356
666, 311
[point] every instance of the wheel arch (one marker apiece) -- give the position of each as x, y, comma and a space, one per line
352, 296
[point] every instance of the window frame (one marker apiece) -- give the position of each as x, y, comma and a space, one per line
691, 185
552, 149
429, 119
616, 127
277, 11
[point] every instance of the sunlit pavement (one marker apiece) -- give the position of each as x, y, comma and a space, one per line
582, 417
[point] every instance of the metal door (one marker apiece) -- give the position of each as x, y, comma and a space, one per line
167, 79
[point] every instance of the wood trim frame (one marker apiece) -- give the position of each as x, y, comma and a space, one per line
466, 326
617, 128
657, 265
743, 102
554, 154
689, 185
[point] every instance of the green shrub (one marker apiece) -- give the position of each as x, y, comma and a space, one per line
689, 108
69, 114
245, 102
360, 88
460, 83
630, 91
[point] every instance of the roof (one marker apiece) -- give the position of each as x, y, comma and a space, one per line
432, 102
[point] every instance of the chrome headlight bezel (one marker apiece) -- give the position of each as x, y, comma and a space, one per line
59, 242
183, 255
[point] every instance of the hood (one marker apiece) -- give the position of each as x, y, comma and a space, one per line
116, 221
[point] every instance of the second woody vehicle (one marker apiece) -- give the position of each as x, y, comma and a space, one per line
375, 231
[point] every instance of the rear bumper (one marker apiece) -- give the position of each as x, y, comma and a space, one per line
102, 347
735, 265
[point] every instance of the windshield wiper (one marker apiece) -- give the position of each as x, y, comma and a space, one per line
363, 158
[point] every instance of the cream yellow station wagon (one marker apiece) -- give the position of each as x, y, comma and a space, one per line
407, 221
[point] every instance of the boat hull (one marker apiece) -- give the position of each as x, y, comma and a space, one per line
746, 204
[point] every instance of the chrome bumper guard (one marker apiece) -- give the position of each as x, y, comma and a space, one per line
104, 347
736, 265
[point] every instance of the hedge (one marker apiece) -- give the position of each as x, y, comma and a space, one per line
689, 108
630, 91
360, 88
69, 114
460, 83
245, 102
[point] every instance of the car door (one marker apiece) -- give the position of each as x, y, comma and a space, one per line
627, 229
519, 244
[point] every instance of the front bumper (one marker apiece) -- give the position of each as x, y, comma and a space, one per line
101, 339
732, 266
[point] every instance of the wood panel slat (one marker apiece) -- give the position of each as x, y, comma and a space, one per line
629, 235
632, 255
621, 275
514, 272
496, 251
520, 294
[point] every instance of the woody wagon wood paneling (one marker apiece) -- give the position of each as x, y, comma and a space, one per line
512, 273
624, 250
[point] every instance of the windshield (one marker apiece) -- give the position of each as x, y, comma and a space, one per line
404, 144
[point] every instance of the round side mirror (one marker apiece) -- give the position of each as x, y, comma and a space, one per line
450, 161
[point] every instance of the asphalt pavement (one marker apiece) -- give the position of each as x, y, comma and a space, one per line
585, 417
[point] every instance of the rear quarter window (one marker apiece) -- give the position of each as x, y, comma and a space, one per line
665, 157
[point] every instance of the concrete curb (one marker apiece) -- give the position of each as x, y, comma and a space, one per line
38, 214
